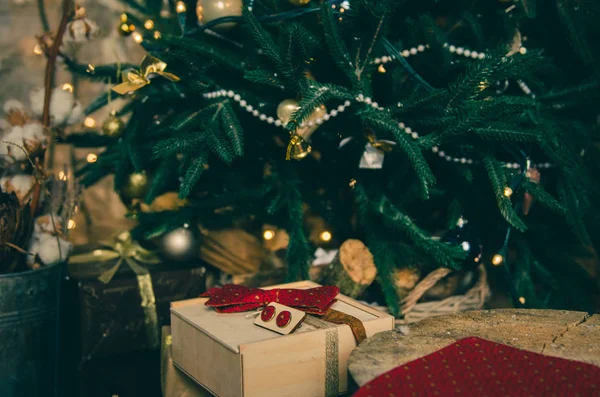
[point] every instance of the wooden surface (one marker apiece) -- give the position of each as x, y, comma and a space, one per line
570, 335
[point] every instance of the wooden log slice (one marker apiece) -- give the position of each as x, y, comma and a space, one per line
558, 333
352, 270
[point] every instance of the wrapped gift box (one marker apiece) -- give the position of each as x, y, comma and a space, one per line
122, 316
230, 356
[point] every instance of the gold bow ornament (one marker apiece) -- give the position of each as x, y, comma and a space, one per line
374, 153
134, 80
124, 249
384, 146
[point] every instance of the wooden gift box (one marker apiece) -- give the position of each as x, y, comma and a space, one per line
232, 357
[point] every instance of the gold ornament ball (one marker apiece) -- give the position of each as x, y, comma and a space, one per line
287, 107
299, 2
285, 110
113, 126
181, 244
209, 10
135, 187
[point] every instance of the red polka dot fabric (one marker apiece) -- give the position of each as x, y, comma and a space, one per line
237, 298
477, 367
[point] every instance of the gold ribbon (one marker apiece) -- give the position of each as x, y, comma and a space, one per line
332, 355
332, 342
384, 146
356, 326
134, 80
124, 249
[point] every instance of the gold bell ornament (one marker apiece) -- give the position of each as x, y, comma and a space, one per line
298, 147
209, 10
113, 126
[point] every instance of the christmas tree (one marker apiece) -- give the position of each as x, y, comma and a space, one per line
440, 133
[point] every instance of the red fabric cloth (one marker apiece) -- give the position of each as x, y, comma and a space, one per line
236, 298
477, 367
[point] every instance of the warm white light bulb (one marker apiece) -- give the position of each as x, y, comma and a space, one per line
268, 234
497, 260
180, 7
92, 158
137, 37
325, 236
89, 122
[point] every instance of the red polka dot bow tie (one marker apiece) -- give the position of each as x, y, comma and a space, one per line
236, 298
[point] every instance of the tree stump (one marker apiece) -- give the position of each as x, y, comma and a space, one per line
352, 270
558, 333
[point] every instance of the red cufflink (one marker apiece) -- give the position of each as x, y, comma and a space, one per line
283, 319
268, 313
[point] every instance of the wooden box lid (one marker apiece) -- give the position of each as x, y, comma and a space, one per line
225, 328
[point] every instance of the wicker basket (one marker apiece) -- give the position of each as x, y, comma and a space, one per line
473, 299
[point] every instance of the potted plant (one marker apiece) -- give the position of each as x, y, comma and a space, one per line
36, 204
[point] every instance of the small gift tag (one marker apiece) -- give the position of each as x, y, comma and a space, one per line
372, 158
280, 318
374, 154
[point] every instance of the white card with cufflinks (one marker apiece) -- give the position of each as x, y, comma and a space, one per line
280, 318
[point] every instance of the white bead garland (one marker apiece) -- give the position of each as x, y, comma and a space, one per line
263, 117
525, 88
421, 48
362, 99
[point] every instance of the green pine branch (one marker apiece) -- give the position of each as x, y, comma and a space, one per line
192, 175
499, 183
383, 122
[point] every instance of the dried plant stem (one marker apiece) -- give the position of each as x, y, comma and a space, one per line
16, 247
67, 10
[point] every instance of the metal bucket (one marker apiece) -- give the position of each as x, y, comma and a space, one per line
29, 320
